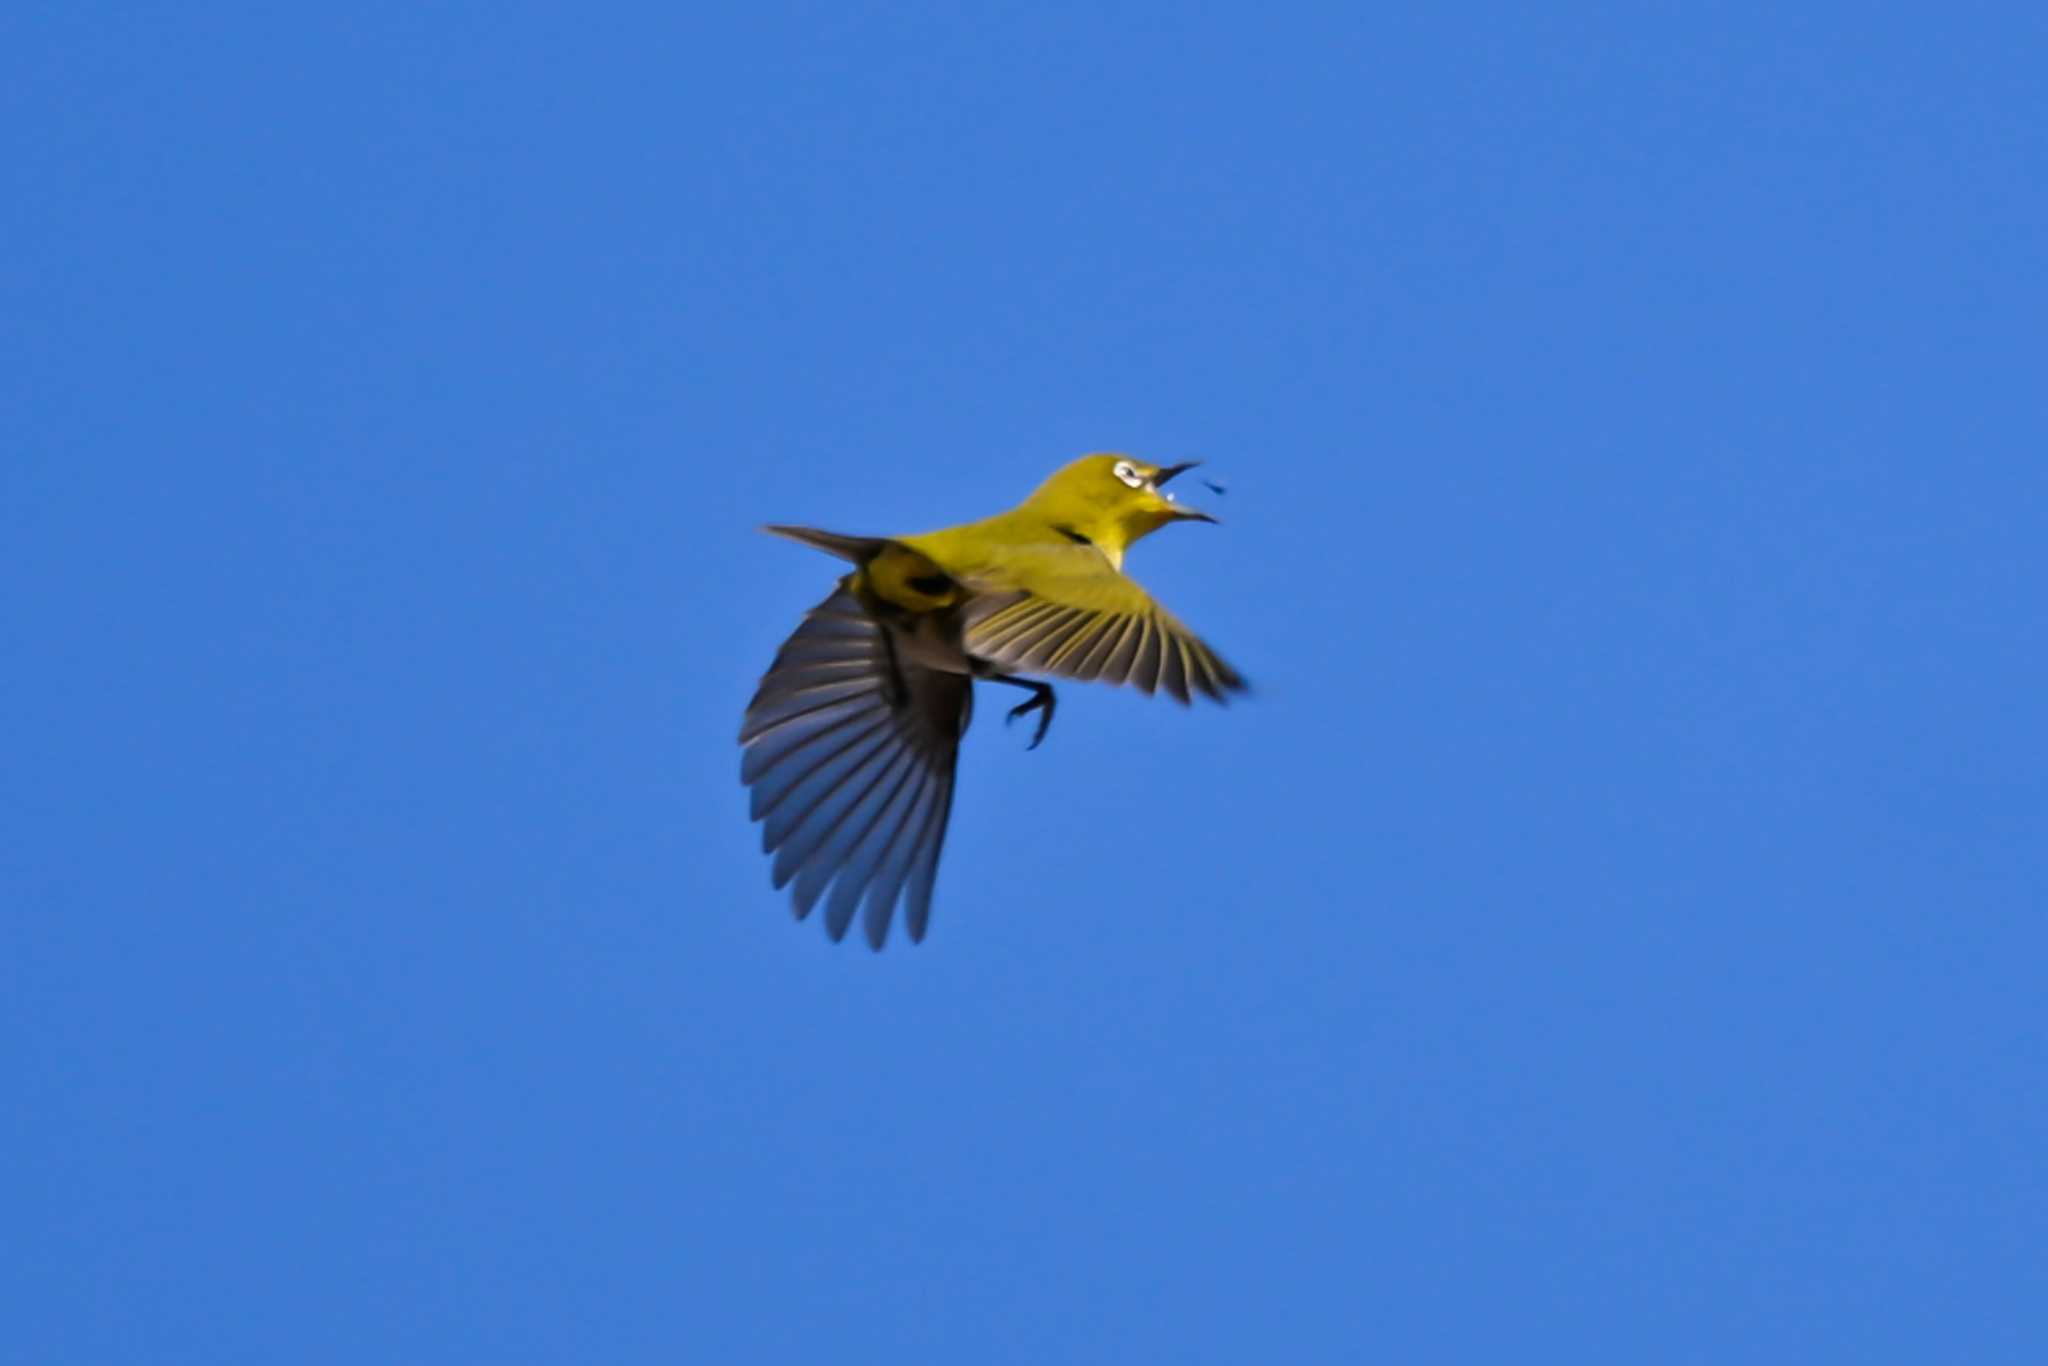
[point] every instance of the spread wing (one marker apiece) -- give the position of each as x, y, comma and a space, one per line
851, 771
1075, 615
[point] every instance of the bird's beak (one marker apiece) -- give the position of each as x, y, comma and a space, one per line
1173, 472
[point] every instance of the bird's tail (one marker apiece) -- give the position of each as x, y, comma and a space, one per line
858, 549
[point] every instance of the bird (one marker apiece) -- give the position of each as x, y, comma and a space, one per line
849, 743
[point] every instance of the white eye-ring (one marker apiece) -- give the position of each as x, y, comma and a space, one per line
1129, 475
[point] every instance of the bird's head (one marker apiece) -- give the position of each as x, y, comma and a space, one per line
1112, 500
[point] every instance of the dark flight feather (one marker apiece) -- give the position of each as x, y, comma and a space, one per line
853, 794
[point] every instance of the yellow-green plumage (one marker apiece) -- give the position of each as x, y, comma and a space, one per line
851, 739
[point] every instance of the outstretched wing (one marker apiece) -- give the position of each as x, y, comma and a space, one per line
849, 755
1073, 614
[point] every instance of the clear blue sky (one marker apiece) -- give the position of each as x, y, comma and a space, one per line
1614, 931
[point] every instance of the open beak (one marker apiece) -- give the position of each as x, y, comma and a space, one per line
1174, 472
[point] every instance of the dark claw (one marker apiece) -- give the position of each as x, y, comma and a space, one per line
1042, 700
1041, 703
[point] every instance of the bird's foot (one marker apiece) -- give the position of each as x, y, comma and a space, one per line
1040, 701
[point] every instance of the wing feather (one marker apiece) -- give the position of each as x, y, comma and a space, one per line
1002, 633
818, 829
861, 847
1080, 639
1201, 674
1123, 660
818, 768
1065, 610
1172, 662
1089, 668
1145, 669
892, 867
853, 792
792, 734
1029, 646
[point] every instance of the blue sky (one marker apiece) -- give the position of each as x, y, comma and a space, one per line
1613, 931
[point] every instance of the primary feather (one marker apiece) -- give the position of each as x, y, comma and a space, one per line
853, 790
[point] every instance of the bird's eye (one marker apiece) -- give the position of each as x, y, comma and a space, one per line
1128, 473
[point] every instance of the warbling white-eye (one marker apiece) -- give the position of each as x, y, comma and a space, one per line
851, 739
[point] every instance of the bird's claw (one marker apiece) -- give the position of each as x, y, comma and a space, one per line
1040, 702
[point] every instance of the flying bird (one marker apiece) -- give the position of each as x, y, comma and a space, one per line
851, 739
